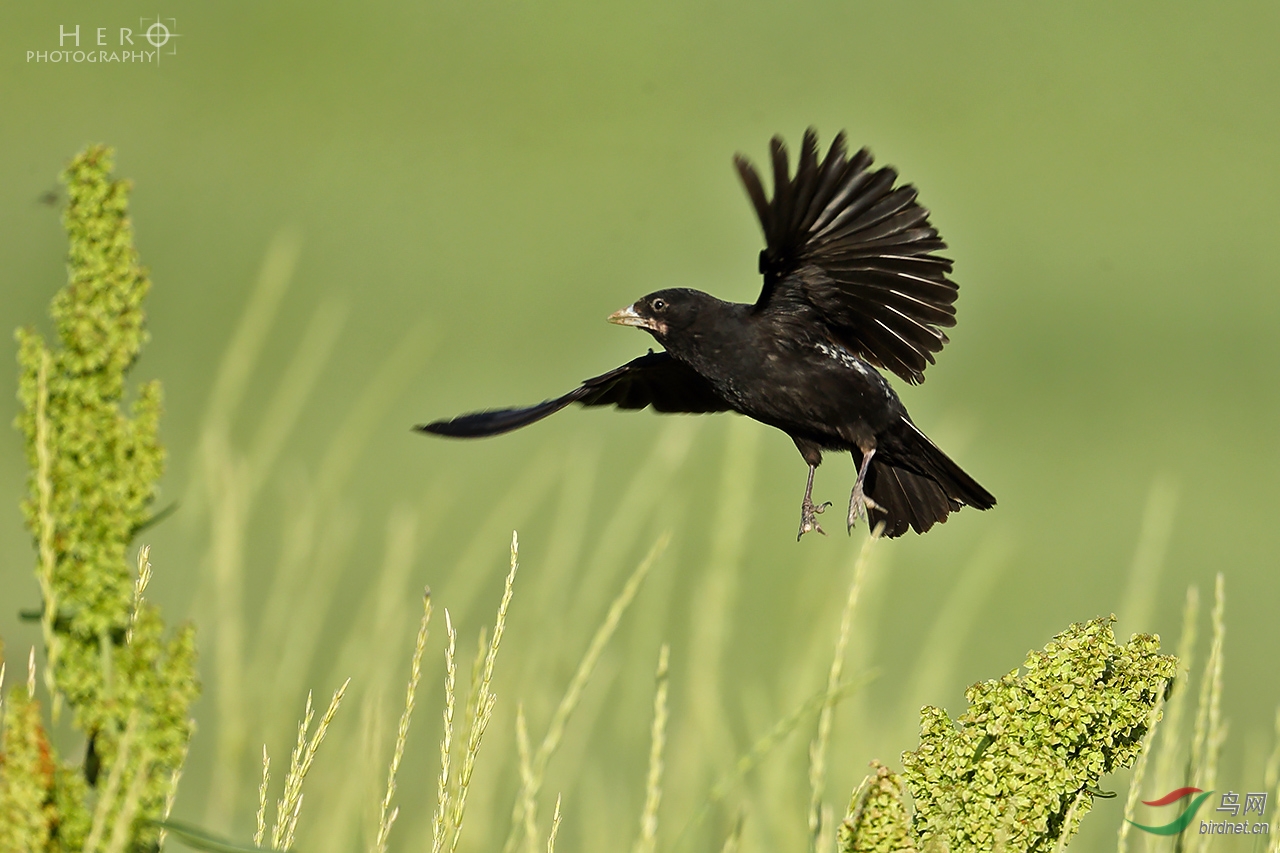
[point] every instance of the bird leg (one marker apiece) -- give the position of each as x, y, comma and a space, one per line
808, 512
859, 503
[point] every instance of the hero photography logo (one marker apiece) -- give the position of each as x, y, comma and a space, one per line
1230, 802
143, 44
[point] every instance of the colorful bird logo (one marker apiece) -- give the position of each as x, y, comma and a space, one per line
1179, 823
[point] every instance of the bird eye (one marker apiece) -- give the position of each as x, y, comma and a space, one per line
659, 304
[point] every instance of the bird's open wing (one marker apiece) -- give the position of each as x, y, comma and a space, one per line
656, 380
844, 244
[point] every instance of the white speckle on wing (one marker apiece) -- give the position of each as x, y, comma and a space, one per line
843, 356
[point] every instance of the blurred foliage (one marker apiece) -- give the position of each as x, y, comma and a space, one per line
94, 473
26, 777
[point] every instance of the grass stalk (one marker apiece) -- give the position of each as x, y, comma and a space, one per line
485, 701
255, 323
226, 481
1139, 772
44, 514
440, 824
555, 827
107, 799
1271, 775
749, 760
321, 532
302, 373
1217, 726
1272, 778
139, 587
573, 693
262, 798
1200, 731
734, 839
286, 803
228, 494
452, 788
171, 795
1066, 822
120, 831
386, 817
1169, 767
290, 803
647, 840
1208, 711
232, 483
526, 780
1209, 731
818, 748
1149, 557
1172, 770
477, 674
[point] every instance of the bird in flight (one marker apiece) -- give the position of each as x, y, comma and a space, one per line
851, 284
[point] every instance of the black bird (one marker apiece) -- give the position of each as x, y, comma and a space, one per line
851, 283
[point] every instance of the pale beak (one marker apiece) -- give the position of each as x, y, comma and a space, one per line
629, 317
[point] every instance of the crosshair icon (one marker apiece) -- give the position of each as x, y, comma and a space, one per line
159, 34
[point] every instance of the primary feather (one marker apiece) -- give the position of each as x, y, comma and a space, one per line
848, 251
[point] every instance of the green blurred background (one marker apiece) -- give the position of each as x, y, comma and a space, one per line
472, 187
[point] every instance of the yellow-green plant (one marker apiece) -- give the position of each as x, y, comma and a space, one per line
93, 480
877, 819
1021, 767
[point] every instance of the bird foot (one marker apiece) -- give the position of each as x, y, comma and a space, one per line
809, 517
859, 503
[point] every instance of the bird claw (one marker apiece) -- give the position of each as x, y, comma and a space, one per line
809, 518
859, 503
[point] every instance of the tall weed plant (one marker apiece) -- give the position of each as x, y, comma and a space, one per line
127, 682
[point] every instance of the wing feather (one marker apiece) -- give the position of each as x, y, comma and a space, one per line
655, 380
853, 252
865, 193
755, 191
829, 179
784, 189
853, 178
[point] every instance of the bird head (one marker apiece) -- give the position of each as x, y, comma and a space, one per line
662, 313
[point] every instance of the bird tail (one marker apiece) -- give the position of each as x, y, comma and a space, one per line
916, 485
497, 421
